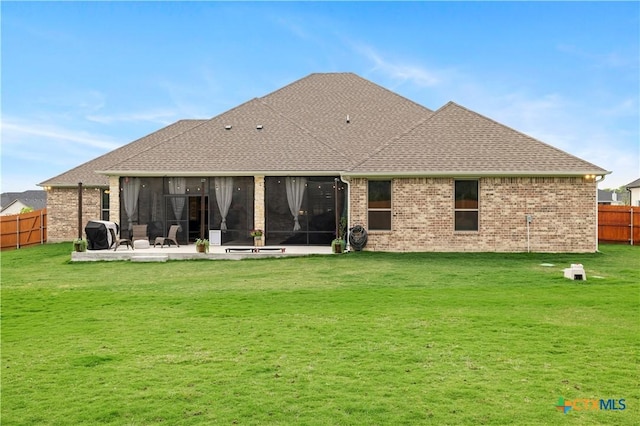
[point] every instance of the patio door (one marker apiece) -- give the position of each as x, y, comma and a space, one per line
177, 213
198, 210
304, 212
186, 211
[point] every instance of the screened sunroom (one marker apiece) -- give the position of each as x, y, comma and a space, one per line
297, 210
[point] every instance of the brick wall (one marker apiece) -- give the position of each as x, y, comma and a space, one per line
62, 208
563, 209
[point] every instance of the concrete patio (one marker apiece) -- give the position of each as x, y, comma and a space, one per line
188, 252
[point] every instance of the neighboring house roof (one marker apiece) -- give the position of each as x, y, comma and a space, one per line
329, 124
86, 173
634, 184
36, 199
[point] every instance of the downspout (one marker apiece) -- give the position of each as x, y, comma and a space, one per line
597, 222
346, 180
79, 210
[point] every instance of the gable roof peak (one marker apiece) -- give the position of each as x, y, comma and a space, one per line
457, 140
452, 105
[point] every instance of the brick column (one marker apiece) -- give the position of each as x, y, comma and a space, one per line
258, 202
114, 199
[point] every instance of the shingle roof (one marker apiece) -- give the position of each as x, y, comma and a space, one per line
304, 129
634, 184
36, 199
457, 141
322, 102
280, 145
86, 173
329, 124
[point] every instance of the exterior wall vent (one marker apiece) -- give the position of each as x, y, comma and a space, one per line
227, 127
259, 127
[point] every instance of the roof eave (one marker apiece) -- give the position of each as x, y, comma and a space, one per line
477, 174
46, 186
201, 173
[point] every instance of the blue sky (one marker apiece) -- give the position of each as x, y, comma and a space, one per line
82, 78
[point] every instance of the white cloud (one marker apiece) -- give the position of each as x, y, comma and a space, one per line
623, 108
611, 59
15, 132
196, 98
292, 25
35, 150
163, 117
76, 102
401, 72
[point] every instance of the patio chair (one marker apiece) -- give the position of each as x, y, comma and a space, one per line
139, 233
172, 238
119, 241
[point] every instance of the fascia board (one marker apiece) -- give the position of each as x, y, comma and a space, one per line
476, 174
205, 173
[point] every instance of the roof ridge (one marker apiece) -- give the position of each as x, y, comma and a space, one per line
345, 73
454, 104
286, 86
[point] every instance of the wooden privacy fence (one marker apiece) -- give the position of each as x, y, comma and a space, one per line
20, 230
619, 224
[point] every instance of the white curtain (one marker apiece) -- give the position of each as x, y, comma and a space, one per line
224, 194
131, 190
178, 185
295, 193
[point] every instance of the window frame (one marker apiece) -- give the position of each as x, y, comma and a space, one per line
105, 199
457, 210
380, 209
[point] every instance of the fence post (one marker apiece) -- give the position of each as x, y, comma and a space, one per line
41, 227
18, 231
631, 225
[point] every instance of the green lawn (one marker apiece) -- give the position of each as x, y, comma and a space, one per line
361, 338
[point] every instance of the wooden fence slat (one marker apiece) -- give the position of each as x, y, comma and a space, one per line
619, 224
22, 230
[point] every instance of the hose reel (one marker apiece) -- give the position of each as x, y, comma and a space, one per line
357, 237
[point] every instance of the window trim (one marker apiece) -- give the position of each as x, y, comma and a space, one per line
381, 209
104, 204
456, 210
